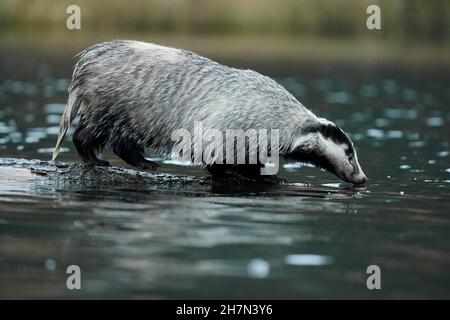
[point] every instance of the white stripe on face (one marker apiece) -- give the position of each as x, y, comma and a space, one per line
334, 152
306, 142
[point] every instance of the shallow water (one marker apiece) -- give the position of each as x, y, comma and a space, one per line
313, 238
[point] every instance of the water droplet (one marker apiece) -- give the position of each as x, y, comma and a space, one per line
4, 140
52, 130
375, 133
62, 84
54, 108
50, 265
50, 150
417, 144
395, 134
307, 260
331, 185
53, 119
435, 122
32, 139
6, 129
413, 136
381, 122
258, 268
16, 137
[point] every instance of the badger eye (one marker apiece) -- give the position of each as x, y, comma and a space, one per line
350, 158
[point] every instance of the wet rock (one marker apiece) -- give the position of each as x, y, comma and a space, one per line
82, 174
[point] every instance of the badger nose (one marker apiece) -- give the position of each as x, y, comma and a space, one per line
361, 180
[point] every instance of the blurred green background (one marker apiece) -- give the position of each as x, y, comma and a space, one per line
411, 29
409, 20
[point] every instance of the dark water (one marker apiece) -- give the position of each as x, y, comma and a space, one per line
314, 238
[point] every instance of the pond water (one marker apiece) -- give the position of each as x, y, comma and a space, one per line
313, 238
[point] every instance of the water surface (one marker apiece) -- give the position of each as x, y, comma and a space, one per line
313, 238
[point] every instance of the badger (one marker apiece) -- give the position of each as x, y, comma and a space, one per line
131, 95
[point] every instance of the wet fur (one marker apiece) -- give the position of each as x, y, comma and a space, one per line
131, 96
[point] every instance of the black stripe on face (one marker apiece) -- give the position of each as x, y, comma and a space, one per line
338, 136
313, 157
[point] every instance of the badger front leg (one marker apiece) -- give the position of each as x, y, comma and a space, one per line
242, 174
252, 171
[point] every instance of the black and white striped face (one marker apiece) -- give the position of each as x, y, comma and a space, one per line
327, 146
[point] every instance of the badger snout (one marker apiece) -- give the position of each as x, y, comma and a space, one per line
359, 179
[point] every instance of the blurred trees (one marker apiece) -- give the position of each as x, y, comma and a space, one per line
409, 20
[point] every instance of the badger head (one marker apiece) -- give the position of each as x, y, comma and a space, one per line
326, 146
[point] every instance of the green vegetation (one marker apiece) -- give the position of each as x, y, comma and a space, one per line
405, 20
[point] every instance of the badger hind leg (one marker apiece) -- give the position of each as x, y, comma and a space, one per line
132, 154
88, 144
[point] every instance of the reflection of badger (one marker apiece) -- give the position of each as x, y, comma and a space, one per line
132, 95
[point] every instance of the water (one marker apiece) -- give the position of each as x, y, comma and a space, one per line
188, 238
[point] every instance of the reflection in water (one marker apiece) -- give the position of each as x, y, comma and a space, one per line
307, 260
179, 236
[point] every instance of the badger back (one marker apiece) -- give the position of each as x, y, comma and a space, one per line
145, 92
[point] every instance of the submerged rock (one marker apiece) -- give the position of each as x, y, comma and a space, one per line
82, 174
77, 177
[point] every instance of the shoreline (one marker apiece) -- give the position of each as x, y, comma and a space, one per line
250, 49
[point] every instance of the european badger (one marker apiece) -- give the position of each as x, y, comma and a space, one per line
132, 95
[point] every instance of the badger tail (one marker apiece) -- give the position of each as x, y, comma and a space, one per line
70, 112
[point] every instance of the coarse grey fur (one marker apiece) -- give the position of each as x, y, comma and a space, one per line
132, 95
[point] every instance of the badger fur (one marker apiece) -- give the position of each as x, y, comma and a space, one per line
132, 95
